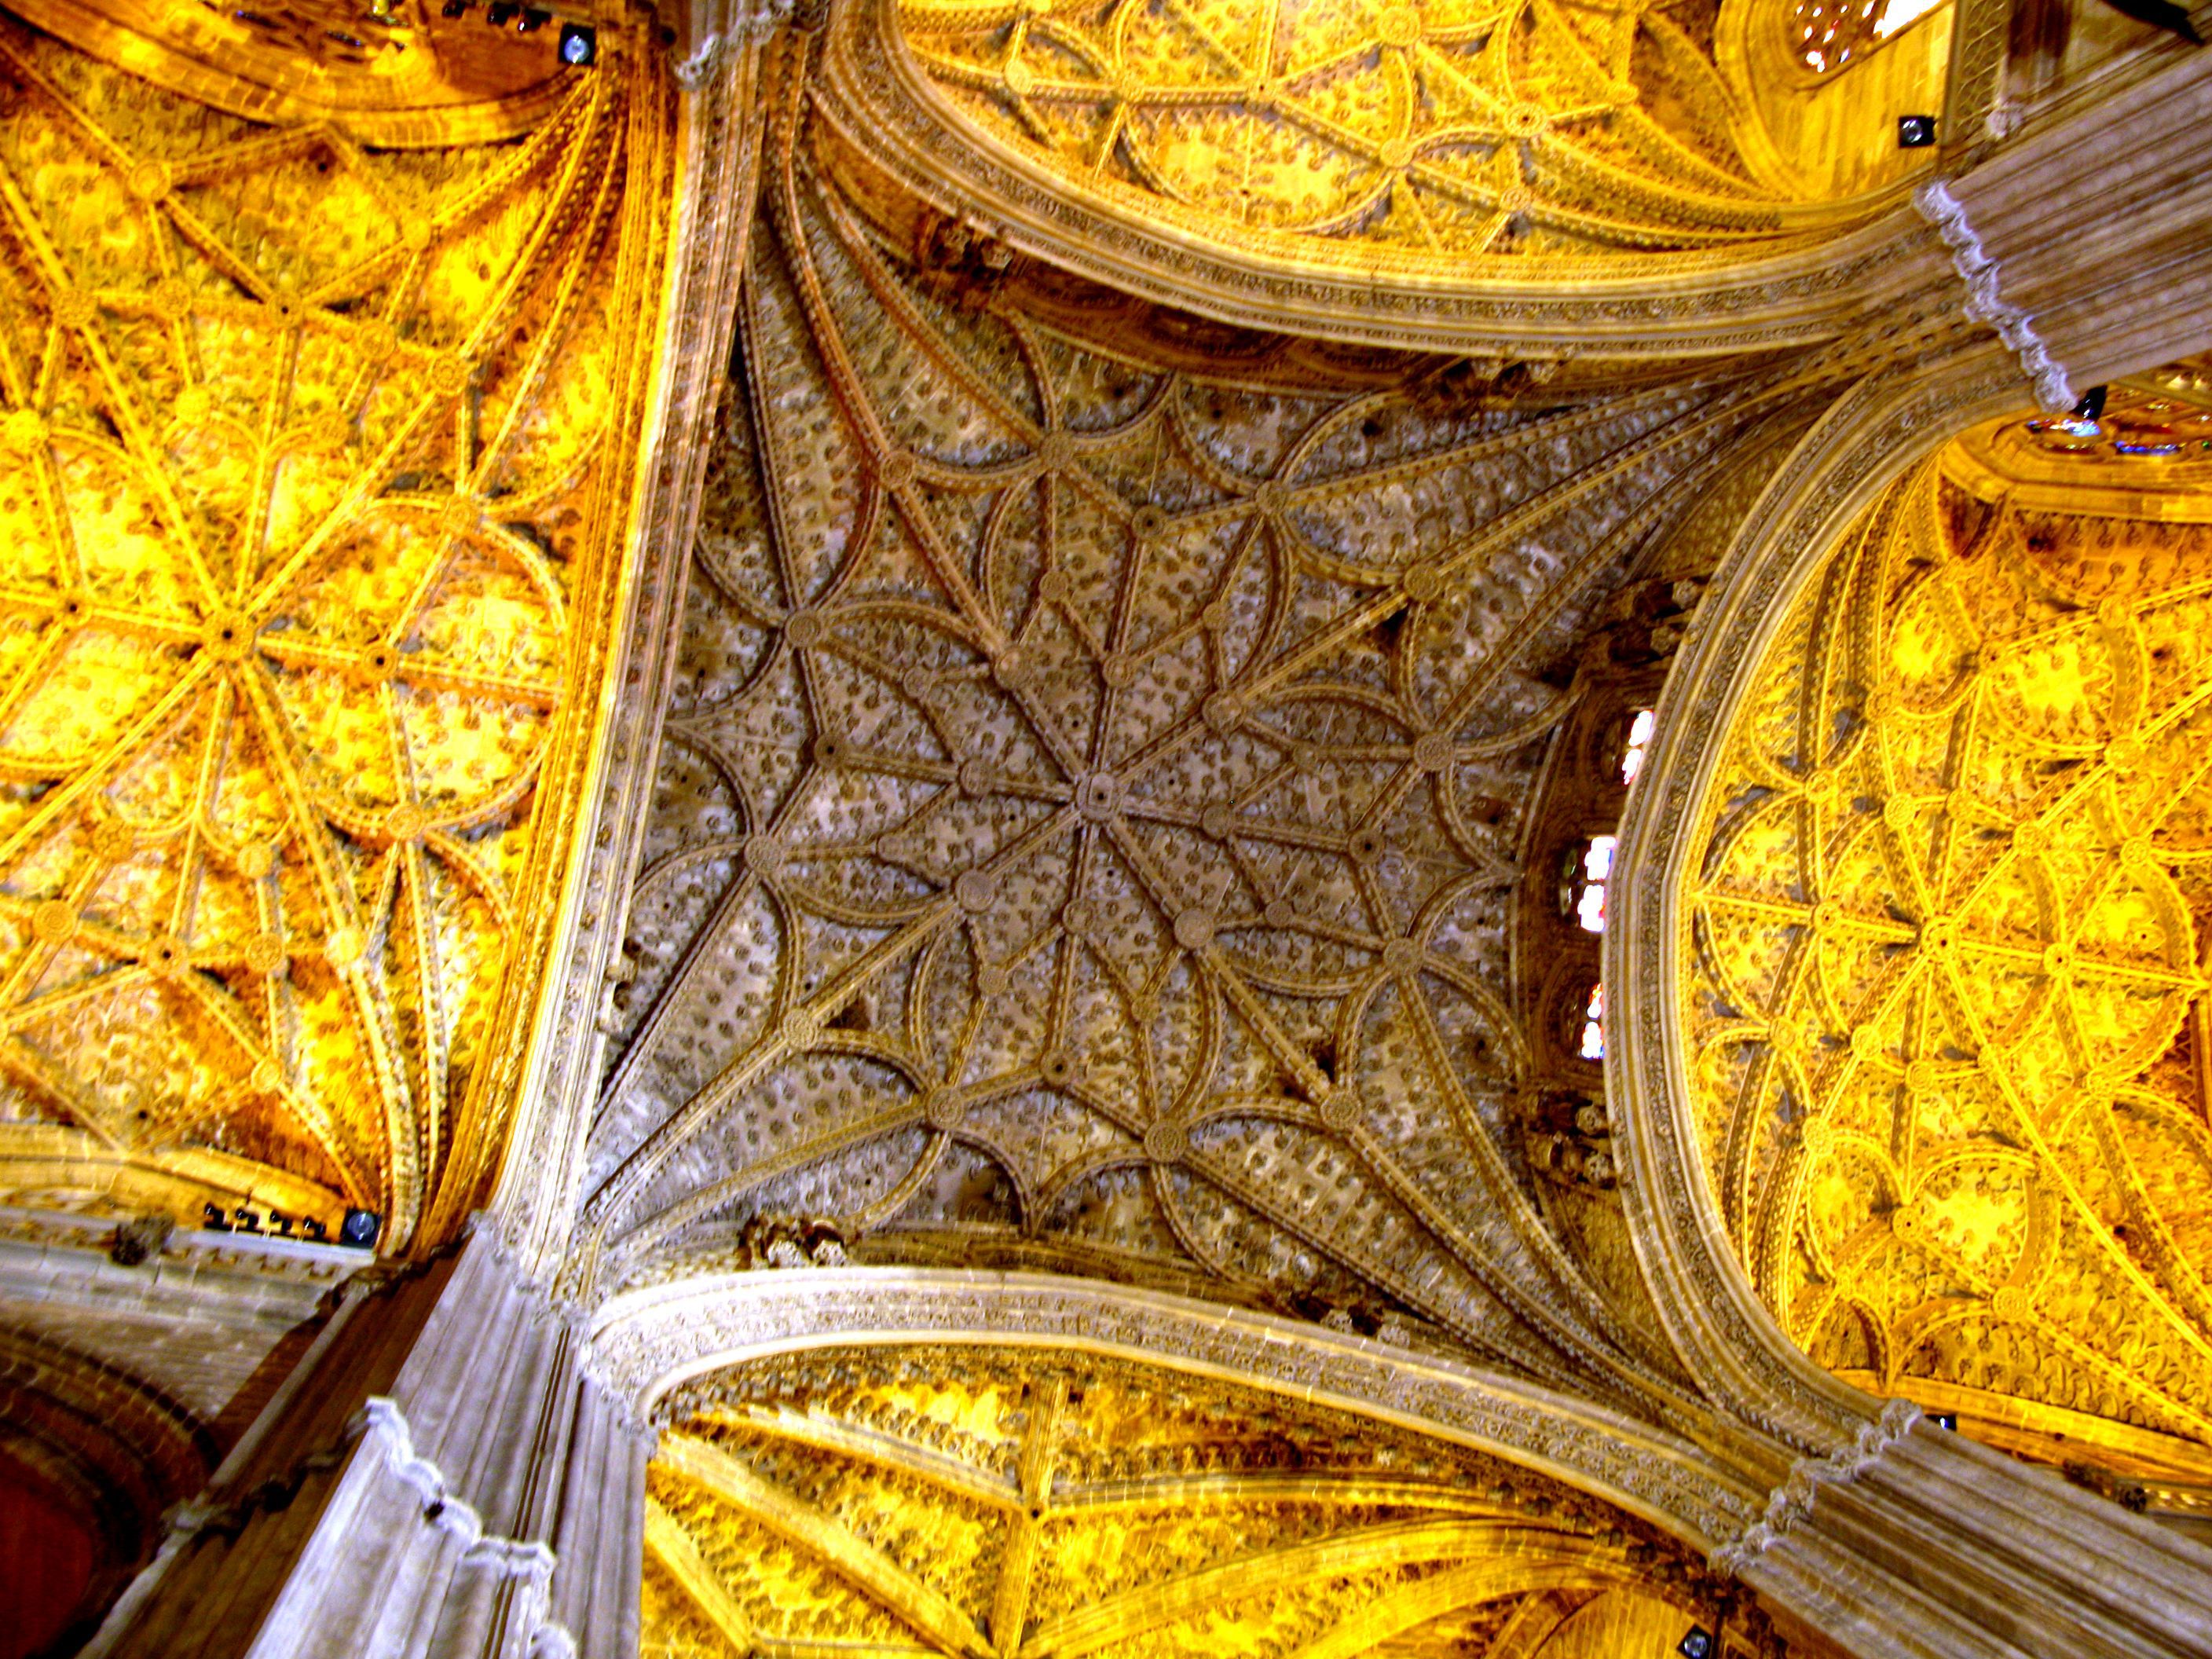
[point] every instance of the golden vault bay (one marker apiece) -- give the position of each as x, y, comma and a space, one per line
1106, 828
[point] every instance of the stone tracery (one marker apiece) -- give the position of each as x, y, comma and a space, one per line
313, 453
1948, 987
1093, 833
982, 1501
1408, 134
1091, 804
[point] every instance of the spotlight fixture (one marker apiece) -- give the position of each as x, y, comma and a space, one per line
245, 1221
501, 14
532, 19
359, 1228
1944, 1419
1915, 131
317, 1233
213, 1219
2092, 406
1697, 1645
580, 46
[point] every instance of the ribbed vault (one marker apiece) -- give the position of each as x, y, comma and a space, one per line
1408, 136
1091, 806
1946, 972
974, 1501
315, 460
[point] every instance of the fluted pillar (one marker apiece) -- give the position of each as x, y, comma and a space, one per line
1917, 1541
438, 1477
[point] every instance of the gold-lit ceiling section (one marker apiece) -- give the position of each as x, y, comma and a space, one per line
1089, 811
393, 72
989, 1502
1947, 987
313, 465
1380, 135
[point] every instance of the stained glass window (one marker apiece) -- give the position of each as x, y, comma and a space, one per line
1830, 33
1639, 738
1597, 866
1594, 1024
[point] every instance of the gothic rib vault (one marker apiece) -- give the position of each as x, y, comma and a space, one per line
867, 1497
1091, 806
1945, 976
1070, 1124
1420, 137
316, 479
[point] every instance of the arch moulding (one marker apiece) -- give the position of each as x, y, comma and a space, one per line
649, 1341
1834, 264
1717, 1323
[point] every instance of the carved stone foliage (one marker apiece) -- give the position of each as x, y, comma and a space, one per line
1089, 810
1409, 135
1947, 996
980, 1501
312, 466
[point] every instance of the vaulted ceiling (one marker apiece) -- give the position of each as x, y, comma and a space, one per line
1413, 136
317, 457
1092, 804
981, 1501
1947, 965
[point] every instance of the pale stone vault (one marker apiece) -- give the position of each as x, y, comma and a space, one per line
1105, 827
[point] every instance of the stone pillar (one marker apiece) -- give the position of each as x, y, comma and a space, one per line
1917, 1541
437, 1477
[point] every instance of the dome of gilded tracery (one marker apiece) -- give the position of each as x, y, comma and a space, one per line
1947, 994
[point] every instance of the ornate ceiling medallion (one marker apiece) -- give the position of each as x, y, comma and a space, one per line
1088, 812
984, 1501
1946, 984
314, 461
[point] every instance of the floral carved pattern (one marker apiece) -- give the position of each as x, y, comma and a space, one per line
1948, 1000
311, 453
